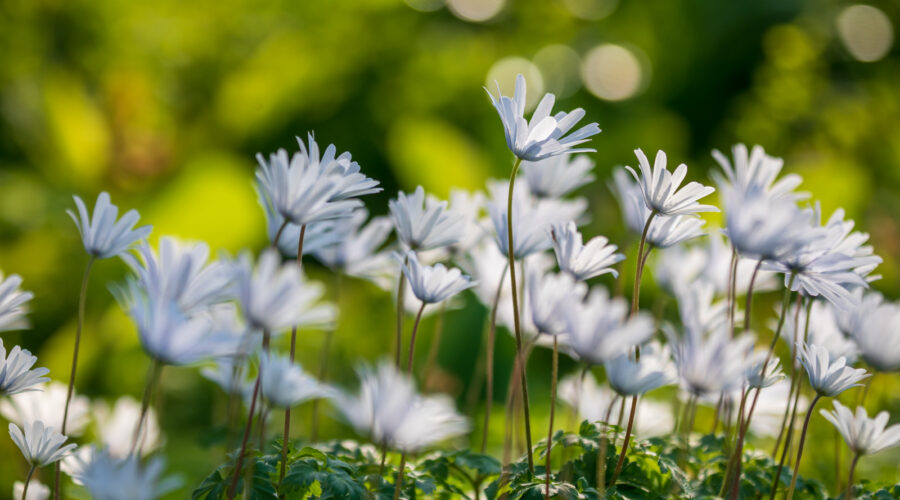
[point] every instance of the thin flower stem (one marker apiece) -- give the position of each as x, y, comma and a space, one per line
787, 441
323, 362
515, 301
28, 481
435, 344
82, 299
602, 449
837, 460
734, 464
750, 296
555, 373
399, 482
412, 341
287, 411
281, 229
848, 495
732, 288
622, 453
809, 413
232, 490
401, 291
489, 375
152, 378
635, 297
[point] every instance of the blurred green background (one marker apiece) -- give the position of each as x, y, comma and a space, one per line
164, 104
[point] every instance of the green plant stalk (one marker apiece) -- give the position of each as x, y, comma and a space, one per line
515, 301
412, 341
401, 292
323, 365
602, 449
435, 344
287, 411
153, 376
848, 494
232, 490
27, 482
489, 371
787, 441
555, 373
399, 482
82, 300
812, 405
732, 289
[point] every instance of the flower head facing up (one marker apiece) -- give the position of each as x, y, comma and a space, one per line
40, 445
547, 294
661, 187
828, 377
109, 478
629, 377
579, 260
13, 303
599, 328
863, 435
424, 222
285, 384
389, 409
558, 176
275, 296
103, 236
16, 375
544, 136
432, 284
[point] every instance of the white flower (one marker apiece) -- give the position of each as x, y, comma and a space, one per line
424, 223
828, 377
16, 375
874, 326
118, 425
599, 329
823, 330
285, 384
275, 296
351, 182
661, 188
629, 377
230, 376
763, 227
666, 232
756, 378
558, 176
101, 234
717, 268
592, 402
40, 445
45, 405
109, 478
299, 190
388, 409
316, 236
13, 303
863, 435
755, 172
432, 284
544, 136
583, 261
698, 309
36, 490
547, 294
470, 205
710, 364
181, 272
355, 244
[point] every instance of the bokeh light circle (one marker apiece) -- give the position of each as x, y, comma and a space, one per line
866, 32
504, 72
612, 72
560, 66
475, 10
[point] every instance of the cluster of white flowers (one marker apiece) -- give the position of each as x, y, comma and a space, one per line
220, 315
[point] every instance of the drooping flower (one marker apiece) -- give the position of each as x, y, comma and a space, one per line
117, 426
285, 384
828, 377
44, 405
630, 377
558, 176
874, 327
274, 296
181, 272
599, 329
863, 435
390, 411
16, 374
40, 445
547, 294
661, 188
424, 222
13, 303
583, 261
544, 135
432, 284
109, 478
103, 236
